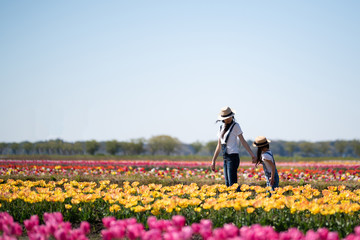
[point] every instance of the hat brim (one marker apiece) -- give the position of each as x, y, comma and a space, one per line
261, 144
223, 118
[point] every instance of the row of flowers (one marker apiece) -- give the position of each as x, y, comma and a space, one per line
285, 174
155, 197
335, 207
172, 229
168, 163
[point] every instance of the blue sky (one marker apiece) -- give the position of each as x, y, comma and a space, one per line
103, 70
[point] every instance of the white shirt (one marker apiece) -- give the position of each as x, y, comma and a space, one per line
267, 167
233, 140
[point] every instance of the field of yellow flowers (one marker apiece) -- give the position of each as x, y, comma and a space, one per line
301, 206
304, 207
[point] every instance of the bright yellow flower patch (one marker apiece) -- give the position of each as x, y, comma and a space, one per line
156, 198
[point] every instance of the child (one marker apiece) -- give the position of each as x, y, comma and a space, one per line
266, 158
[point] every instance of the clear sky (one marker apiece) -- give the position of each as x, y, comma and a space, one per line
104, 70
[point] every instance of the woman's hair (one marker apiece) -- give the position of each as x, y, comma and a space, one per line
227, 126
259, 151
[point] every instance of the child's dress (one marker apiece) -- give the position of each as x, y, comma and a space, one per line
267, 169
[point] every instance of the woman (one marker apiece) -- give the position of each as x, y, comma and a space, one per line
228, 136
266, 158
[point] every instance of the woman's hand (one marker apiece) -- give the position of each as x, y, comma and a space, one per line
272, 181
213, 166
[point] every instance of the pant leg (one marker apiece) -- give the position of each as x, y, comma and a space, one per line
226, 172
233, 165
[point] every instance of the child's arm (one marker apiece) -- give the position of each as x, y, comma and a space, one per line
271, 164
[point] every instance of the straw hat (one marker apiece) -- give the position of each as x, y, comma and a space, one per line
225, 113
260, 141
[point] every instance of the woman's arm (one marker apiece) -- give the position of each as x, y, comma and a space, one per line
246, 146
271, 164
216, 154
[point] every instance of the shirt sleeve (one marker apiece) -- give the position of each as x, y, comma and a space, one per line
237, 129
267, 157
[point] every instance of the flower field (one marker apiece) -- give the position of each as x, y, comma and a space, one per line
294, 172
127, 209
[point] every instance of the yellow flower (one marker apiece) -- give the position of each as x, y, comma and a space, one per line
57, 167
245, 187
68, 206
80, 209
75, 201
155, 212
135, 184
250, 209
114, 208
139, 209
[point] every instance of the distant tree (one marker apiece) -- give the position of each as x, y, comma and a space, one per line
211, 146
14, 147
67, 148
197, 146
56, 146
112, 147
92, 146
340, 146
2, 147
125, 147
78, 147
163, 144
356, 147
136, 146
27, 146
290, 147
39, 147
323, 147
307, 148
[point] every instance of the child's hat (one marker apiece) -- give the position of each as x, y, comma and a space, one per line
225, 113
261, 141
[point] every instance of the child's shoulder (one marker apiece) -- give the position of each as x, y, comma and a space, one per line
268, 155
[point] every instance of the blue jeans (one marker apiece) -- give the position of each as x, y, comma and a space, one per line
276, 181
231, 164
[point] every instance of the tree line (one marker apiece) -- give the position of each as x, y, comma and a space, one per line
167, 145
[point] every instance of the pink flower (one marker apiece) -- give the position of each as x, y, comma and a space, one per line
187, 232
107, 221
323, 233
219, 234
134, 231
295, 234
31, 223
106, 234
196, 227
179, 221
61, 234
312, 235
206, 224
85, 227
117, 231
152, 234
152, 222
231, 230
357, 231
55, 217
333, 236
246, 232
